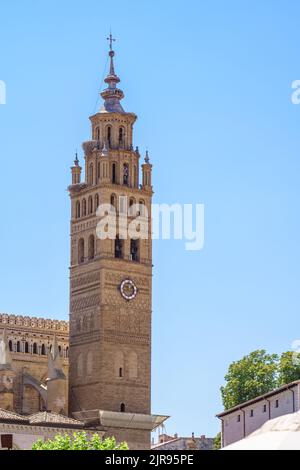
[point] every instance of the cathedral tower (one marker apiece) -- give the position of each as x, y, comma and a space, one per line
111, 278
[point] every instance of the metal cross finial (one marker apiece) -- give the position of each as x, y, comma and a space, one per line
111, 40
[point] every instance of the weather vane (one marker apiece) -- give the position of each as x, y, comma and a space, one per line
111, 40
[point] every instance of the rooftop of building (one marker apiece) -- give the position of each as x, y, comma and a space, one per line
11, 320
42, 418
259, 398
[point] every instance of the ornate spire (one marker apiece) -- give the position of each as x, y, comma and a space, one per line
5, 356
147, 159
76, 161
55, 370
112, 95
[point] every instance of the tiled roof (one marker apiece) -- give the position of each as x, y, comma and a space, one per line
6, 415
45, 417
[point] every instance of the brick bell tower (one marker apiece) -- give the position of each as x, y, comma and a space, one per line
111, 279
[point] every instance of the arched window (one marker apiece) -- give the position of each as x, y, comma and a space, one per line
91, 174
83, 208
77, 210
142, 207
114, 173
26, 347
18, 346
122, 407
60, 351
81, 251
97, 133
10, 345
98, 171
91, 247
131, 207
135, 249
90, 204
118, 247
108, 135
67, 351
126, 174
121, 136
134, 177
43, 350
113, 200
34, 348
96, 202
121, 372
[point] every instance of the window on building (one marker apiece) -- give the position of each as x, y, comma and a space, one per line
121, 136
118, 247
26, 347
276, 403
238, 418
142, 207
34, 348
251, 413
108, 135
98, 171
264, 408
90, 205
91, 247
122, 408
114, 173
98, 133
120, 372
113, 200
96, 202
77, 210
126, 174
81, 251
134, 250
10, 345
43, 350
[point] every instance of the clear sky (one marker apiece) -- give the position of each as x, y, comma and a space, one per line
211, 84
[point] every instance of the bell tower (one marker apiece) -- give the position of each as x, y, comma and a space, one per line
111, 277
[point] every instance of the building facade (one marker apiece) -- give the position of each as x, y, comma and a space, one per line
111, 276
29, 341
240, 421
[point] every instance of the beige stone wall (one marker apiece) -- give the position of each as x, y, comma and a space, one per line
23, 333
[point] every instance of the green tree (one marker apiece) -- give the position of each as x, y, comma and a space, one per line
249, 377
288, 368
79, 441
217, 441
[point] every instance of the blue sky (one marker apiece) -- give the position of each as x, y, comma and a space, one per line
211, 84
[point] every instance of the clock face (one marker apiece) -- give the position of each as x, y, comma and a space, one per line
128, 289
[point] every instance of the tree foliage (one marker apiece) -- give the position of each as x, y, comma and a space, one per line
79, 441
288, 368
217, 441
249, 377
258, 373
